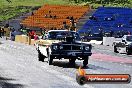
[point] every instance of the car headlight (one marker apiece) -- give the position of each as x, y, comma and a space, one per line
61, 47
81, 48
87, 48
90, 35
55, 47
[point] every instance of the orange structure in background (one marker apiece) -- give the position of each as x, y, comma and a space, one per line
59, 15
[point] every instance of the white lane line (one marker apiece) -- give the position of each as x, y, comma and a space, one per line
67, 78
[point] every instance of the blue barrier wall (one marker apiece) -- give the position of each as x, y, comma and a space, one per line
109, 19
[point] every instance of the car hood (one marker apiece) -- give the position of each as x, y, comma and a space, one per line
75, 42
82, 42
46, 42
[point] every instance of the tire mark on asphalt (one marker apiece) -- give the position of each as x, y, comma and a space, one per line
105, 57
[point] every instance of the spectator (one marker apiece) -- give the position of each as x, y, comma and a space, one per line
46, 16
44, 30
64, 22
71, 18
49, 11
21, 26
12, 36
111, 33
93, 18
50, 16
61, 28
72, 28
120, 25
23, 31
108, 19
0, 32
6, 25
41, 30
32, 33
64, 25
72, 22
54, 17
52, 28
75, 24
32, 13
68, 17
129, 33
55, 28
35, 37
43, 35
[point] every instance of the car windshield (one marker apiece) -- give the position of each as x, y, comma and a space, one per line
60, 35
129, 38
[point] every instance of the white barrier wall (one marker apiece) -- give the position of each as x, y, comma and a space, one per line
95, 42
108, 41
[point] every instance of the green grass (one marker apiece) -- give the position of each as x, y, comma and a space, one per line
9, 10
14, 3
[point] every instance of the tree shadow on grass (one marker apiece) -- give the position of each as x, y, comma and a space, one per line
5, 84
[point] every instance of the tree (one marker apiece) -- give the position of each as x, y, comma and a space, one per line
9, 1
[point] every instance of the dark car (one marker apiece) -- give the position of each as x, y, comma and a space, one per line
70, 47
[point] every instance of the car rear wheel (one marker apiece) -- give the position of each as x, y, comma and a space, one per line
50, 59
115, 49
85, 62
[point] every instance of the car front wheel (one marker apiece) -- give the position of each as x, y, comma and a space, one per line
72, 61
85, 62
40, 56
128, 51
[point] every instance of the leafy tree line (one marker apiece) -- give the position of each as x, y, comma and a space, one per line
104, 1
96, 3
8, 1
